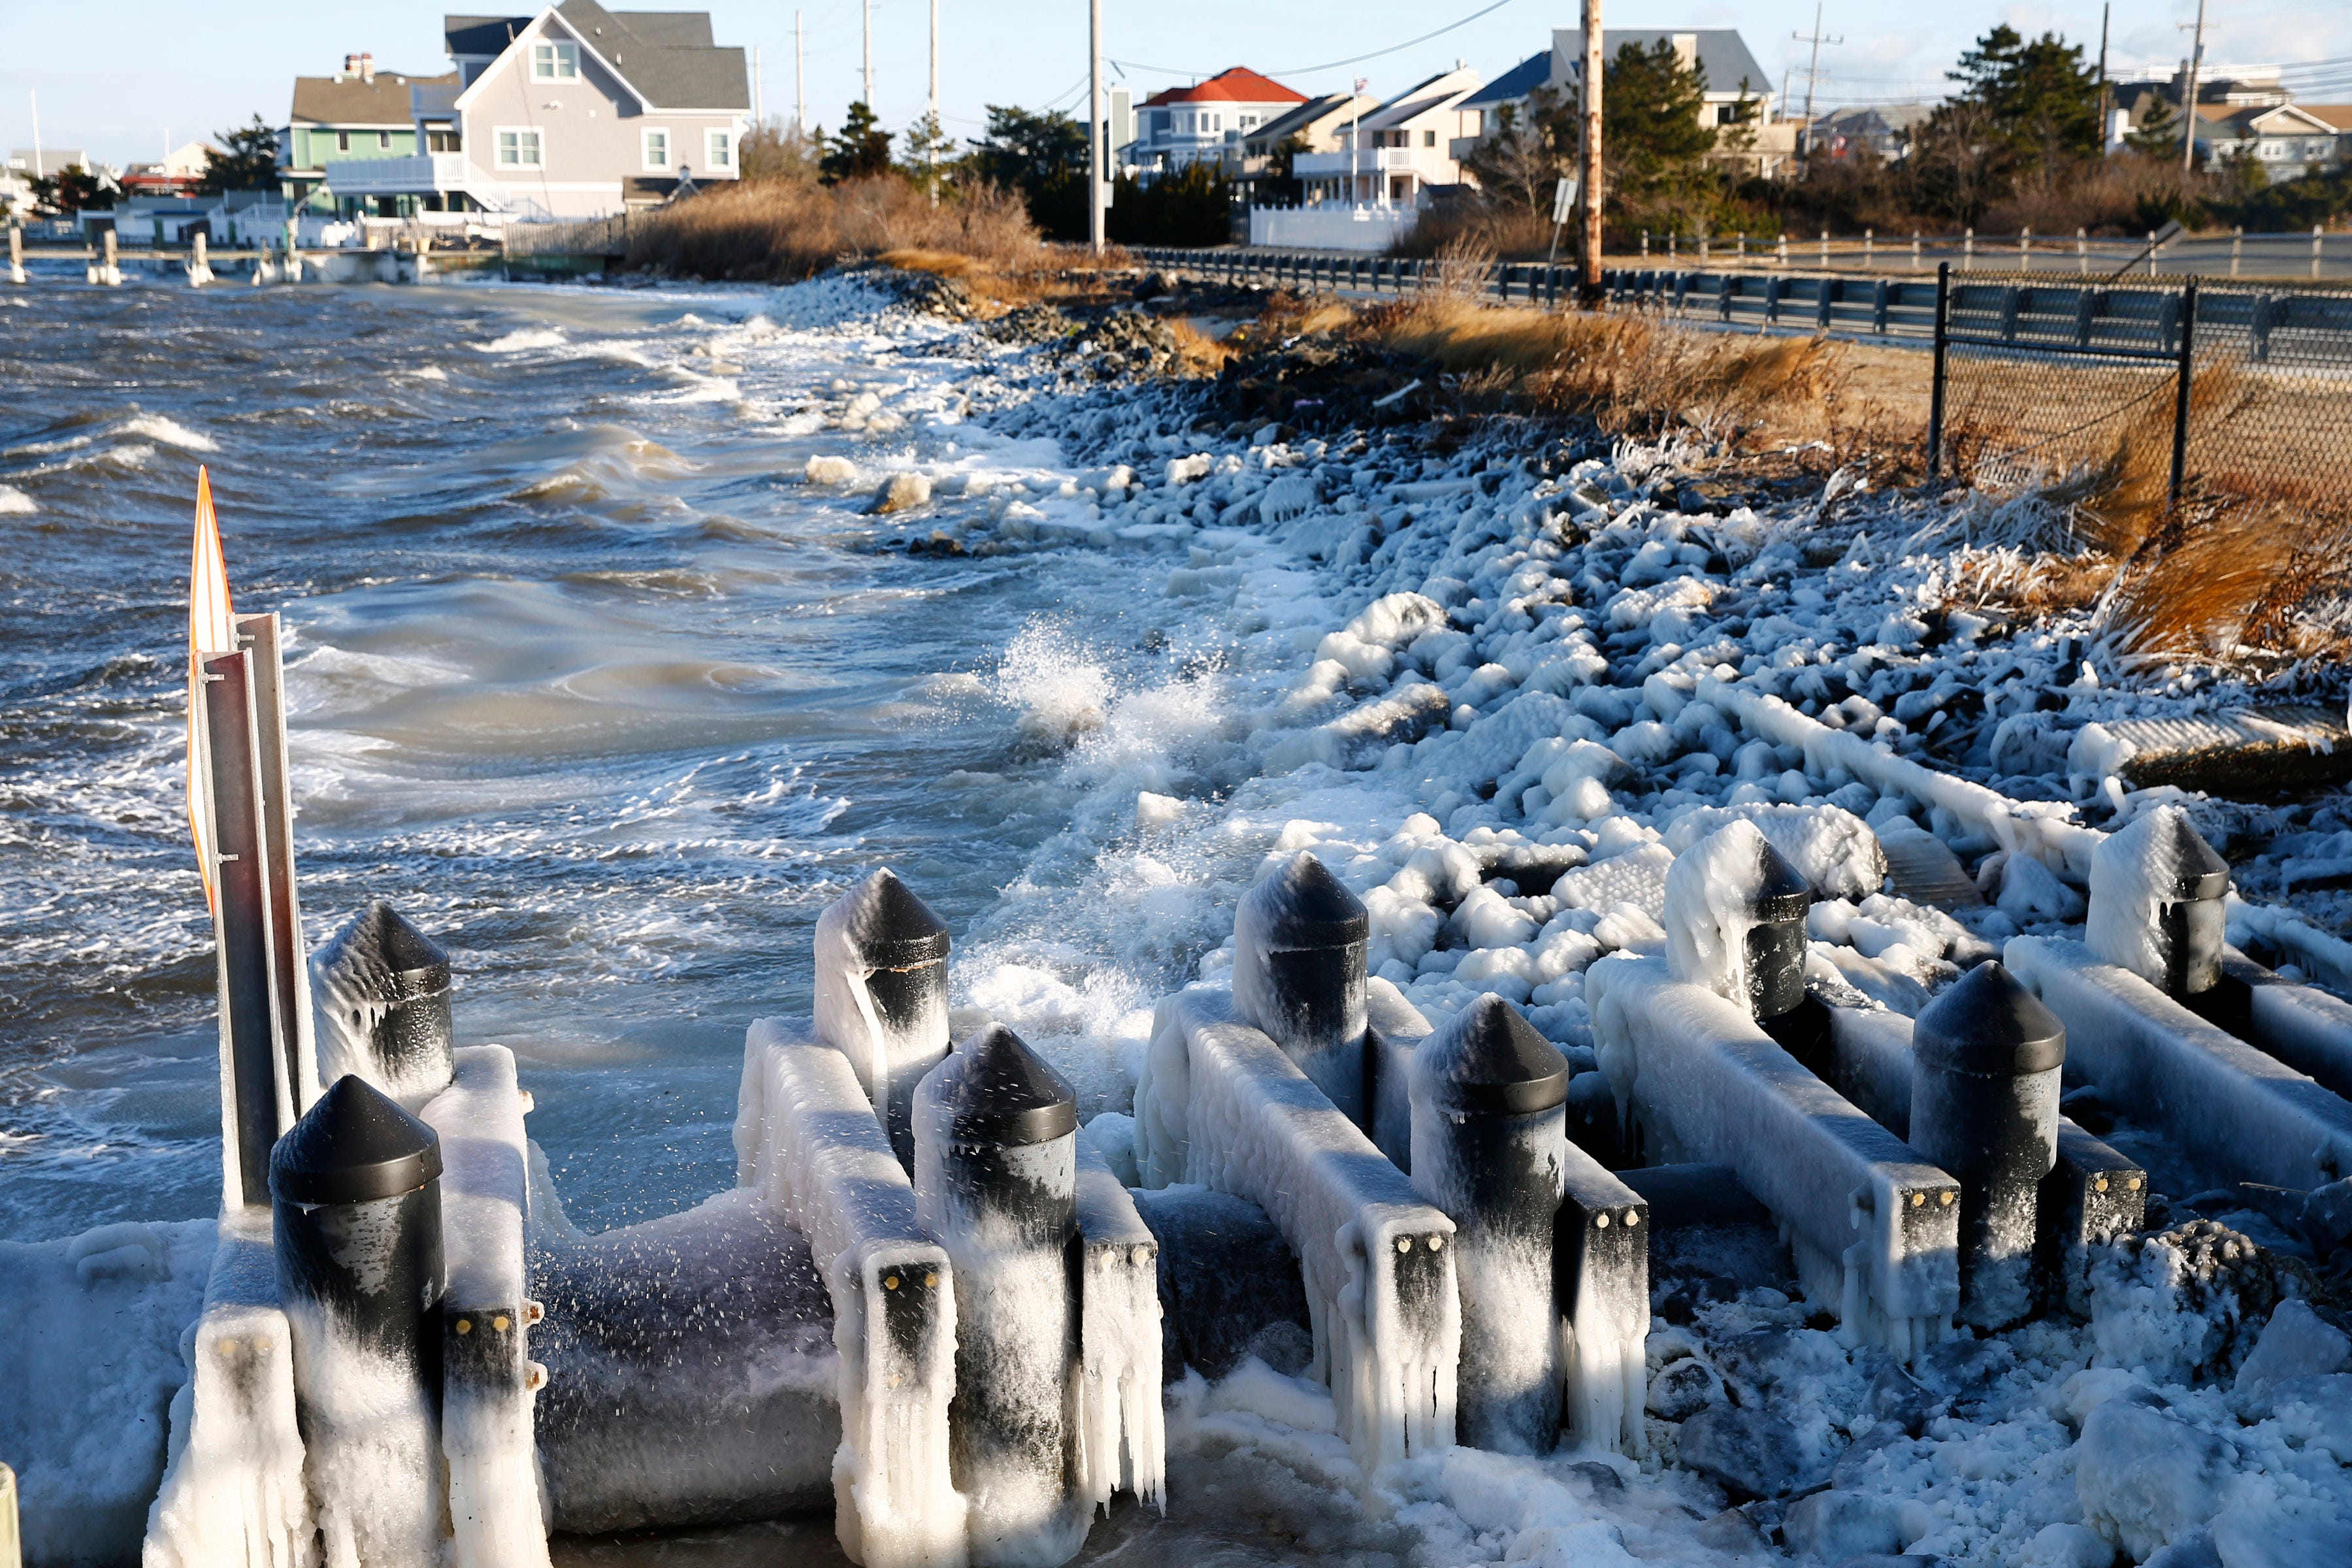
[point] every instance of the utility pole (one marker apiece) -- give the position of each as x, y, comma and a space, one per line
2104, 14
931, 138
869, 8
1813, 74
758, 108
2189, 99
800, 78
1587, 285
1098, 155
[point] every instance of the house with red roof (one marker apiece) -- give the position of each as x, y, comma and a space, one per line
1207, 122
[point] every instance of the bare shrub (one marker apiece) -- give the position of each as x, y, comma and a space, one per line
786, 228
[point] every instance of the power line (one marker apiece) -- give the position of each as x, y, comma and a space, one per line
1328, 65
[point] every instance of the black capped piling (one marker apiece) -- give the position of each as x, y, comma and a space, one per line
355, 1189
1300, 939
996, 1182
1489, 1135
381, 993
1776, 943
1986, 1058
882, 995
2190, 911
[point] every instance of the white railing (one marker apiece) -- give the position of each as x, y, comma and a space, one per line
417, 172
1332, 228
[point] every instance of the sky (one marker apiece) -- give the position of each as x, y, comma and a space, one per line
196, 69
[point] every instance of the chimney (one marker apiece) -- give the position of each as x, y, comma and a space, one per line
1686, 50
367, 67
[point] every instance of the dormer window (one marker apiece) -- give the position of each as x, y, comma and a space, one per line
555, 62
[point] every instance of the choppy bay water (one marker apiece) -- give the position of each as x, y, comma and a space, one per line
583, 679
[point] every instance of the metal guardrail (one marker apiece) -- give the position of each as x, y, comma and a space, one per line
2019, 311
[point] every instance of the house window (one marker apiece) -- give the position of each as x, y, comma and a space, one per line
383, 141
555, 62
519, 149
342, 141
1429, 138
656, 149
722, 153
444, 139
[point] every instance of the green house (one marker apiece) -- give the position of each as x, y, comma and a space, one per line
357, 114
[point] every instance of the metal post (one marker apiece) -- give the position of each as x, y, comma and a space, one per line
257, 1100
2083, 251
1968, 249
2180, 400
1985, 1064
357, 1202
2237, 244
2026, 250
1489, 1137
1825, 250
996, 1182
2315, 249
258, 635
1914, 250
1935, 381
1869, 249
1299, 941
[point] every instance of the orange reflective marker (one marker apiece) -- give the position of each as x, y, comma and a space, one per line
210, 632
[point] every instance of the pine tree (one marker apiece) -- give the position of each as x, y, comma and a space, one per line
859, 150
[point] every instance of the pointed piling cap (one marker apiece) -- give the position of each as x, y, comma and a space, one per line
379, 954
890, 927
356, 1143
1489, 1059
1780, 894
999, 1092
2196, 872
1303, 906
1988, 1025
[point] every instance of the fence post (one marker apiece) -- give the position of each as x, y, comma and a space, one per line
1914, 250
2237, 242
2315, 242
1936, 388
2026, 250
1645, 245
2083, 251
1780, 254
1869, 249
1825, 250
2180, 400
1968, 251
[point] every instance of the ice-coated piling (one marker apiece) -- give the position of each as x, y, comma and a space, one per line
1299, 940
1600, 1262
1489, 1136
1985, 1062
1775, 941
200, 267
2091, 1195
2157, 894
356, 1193
1735, 923
996, 1182
382, 1003
882, 995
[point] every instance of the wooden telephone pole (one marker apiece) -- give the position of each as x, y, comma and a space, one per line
1589, 184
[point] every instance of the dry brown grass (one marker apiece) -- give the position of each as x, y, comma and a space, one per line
1630, 373
787, 229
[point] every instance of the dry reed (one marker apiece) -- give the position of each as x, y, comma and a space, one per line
787, 229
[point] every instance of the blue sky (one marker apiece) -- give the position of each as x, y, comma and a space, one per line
192, 70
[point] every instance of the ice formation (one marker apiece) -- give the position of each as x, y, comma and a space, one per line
380, 989
881, 993
488, 1380
1708, 1085
808, 1141
1222, 1106
996, 1182
1121, 1430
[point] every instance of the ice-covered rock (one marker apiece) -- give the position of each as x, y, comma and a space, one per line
2297, 1342
2145, 1478
1754, 1452
899, 492
1834, 1525
2249, 1537
2067, 1546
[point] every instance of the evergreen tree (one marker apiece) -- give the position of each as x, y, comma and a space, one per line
2042, 100
860, 151
2158, 134
1651, 141
1043, 157
927, 154
249, 163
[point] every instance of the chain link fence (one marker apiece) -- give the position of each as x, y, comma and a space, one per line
2216, 391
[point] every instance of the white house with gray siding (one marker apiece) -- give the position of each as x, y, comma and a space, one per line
576, 111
